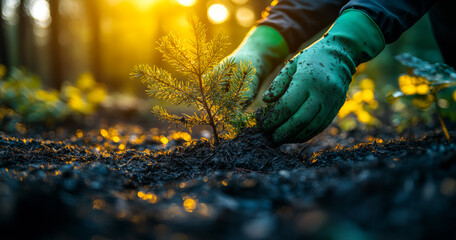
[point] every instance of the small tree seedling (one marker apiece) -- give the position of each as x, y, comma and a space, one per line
217, 91
423, 83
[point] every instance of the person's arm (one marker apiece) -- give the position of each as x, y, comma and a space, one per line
285, 26
311, 88
299, 20
392, 17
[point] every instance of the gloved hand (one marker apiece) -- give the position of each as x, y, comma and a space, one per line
312, 87
265, 48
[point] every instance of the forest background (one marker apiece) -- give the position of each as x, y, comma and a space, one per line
60, 40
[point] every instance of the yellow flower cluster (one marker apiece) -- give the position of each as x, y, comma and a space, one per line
47, 96
85, 96
411, 85
361, 99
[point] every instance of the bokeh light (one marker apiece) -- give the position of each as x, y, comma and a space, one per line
164, 140
218, 13
189, 205
8, 11
245, 16
39, 10
187, 3
71, 8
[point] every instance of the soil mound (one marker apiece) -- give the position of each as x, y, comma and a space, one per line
250, 151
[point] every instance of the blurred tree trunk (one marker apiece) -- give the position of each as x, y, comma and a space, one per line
56, 61
93, 10
25, 39
23, 35
4, 57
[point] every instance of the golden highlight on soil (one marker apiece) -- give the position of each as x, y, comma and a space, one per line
217, 89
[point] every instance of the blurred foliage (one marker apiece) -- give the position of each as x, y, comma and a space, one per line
424, 89
436, 73
23, 101
2, 71
360, 104
446, 101
85, 96
414, 91
218, 92
108, 37
405, 117
422, 86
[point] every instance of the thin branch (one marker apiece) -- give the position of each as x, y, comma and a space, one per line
173, 87
180, 51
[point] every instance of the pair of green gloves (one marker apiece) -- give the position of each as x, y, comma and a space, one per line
312, 86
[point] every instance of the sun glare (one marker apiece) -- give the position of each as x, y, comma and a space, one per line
187, 3
218, 13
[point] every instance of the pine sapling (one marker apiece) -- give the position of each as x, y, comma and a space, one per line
218, 90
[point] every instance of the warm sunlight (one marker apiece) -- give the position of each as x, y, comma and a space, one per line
144, 4
218, 13
187, 3
204, 119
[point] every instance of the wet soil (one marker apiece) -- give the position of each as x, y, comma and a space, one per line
337, 186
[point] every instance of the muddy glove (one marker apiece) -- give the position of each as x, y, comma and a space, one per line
312, 87
265, 48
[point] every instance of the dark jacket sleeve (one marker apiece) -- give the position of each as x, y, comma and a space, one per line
299, 20
392, 16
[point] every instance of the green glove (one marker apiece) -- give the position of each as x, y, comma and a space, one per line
312, 87
265, 48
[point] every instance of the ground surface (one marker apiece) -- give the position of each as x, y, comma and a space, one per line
121, 184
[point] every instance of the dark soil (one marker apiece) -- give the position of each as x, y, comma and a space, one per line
333, 187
